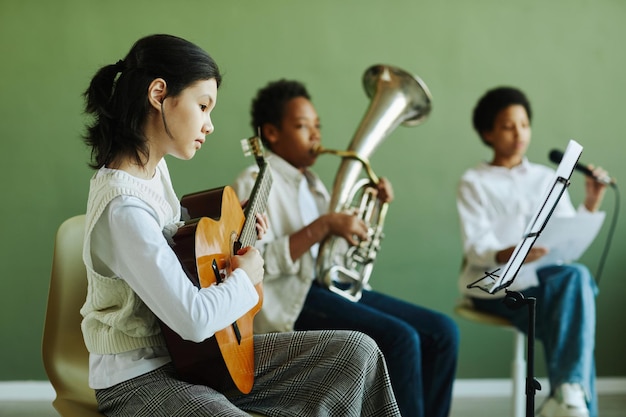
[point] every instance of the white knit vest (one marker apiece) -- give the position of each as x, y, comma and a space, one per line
115, 319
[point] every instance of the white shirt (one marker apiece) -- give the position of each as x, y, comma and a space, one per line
495, 205
308, 206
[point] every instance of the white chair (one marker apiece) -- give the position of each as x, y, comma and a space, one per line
466, 310
65, 356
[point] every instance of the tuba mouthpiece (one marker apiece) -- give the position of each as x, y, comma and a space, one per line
316, 149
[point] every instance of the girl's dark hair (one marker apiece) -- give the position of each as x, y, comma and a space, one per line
492, 103
120, 105
269, 104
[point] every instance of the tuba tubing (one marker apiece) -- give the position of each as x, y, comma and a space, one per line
396, 97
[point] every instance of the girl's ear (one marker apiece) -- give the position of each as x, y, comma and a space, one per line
156, 92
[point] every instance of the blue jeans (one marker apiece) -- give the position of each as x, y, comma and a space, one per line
565, 322
420, 345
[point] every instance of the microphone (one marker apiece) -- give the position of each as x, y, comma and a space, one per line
556, 156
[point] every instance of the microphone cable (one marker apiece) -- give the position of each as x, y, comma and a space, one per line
610, 232
556, 156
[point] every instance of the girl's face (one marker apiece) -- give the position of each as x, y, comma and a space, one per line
299, 131
510, 136
187, 119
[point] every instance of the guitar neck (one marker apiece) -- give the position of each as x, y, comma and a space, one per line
256, 204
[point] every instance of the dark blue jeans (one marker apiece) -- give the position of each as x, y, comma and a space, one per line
565, 322
420, 345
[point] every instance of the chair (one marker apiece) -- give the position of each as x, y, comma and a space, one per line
65, 356
466, 310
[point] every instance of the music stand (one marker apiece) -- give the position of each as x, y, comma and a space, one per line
492, 283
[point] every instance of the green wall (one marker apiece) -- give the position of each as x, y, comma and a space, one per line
568, 55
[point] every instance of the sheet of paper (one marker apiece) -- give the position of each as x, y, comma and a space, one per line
567, 238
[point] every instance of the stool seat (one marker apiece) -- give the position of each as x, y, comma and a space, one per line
470, 313
466, 310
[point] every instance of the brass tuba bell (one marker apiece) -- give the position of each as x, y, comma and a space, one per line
397, 97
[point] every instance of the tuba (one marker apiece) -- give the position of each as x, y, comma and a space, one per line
397, 97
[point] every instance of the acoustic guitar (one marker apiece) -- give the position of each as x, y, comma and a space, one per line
204, 246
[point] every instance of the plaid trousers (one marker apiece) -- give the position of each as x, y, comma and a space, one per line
299, 374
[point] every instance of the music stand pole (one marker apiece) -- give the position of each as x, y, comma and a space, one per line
516, 300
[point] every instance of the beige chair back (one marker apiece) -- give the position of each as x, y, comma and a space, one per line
65, 356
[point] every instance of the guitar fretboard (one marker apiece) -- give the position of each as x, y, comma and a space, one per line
256, 204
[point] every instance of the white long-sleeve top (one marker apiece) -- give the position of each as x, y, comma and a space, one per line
495, 205
127, 243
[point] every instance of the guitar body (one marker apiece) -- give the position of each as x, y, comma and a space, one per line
204, 246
